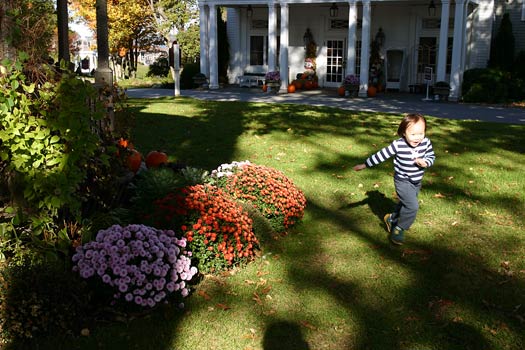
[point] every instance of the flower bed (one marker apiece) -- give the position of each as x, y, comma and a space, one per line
269, 190
142, 264
218, 231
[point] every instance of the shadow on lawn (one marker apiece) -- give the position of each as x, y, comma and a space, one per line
442, 279
443, 282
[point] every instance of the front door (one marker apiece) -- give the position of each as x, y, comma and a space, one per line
335, 67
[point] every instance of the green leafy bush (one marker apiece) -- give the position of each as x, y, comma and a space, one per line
55, 147
485, 85
159, 68
187, 74
46, 138
146, 189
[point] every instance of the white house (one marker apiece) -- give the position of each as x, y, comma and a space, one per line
448, 36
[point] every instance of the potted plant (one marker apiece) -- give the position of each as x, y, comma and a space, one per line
273, 80
441, 89
351, 84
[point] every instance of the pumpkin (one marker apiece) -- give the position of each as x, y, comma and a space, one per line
316, 84
309, 85
134, 160
372, 91
291, 88
265, 88
298, 85
156, 158
341, 91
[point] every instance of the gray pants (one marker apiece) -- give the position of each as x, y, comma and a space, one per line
405, 211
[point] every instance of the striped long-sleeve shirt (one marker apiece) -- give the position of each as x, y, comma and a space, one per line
404, 166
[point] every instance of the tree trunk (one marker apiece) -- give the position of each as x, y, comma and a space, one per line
5, 28
103, 73
63, 31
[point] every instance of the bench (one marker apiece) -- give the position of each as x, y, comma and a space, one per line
251, 79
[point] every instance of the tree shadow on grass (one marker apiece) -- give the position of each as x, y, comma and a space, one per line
284, 335
445, 285
439, 275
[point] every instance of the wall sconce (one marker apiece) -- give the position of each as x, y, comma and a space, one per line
432, 8
307, 38
249, 11
334, 10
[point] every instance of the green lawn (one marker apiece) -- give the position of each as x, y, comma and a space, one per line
335, 282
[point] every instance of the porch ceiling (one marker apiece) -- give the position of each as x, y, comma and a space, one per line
327, 3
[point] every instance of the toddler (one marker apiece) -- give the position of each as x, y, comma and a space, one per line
412, 153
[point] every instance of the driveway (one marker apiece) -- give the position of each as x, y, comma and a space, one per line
384, 103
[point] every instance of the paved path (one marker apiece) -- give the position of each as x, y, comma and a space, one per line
386, 103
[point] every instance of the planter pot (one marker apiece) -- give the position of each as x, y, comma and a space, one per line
352, 90
442, 92
273, 85
372, 91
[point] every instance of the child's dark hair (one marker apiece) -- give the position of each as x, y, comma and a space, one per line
408, 120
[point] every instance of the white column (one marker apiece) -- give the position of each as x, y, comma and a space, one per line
272, 37
283, 59
203, 22
214, 64
457, 50
443, 41
352, 25
365, 49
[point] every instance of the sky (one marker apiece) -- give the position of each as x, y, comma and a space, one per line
81, 29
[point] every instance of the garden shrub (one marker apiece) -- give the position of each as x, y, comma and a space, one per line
48, 143
186, 76
46, 137
159, 68
485, 85
268, 189
41, 299
218, 230
146, 188
143, 265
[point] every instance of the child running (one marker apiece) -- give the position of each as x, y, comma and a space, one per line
412, 153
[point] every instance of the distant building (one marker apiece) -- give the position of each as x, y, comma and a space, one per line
444, 37
86, 58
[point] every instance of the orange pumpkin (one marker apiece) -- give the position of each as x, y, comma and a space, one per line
309, 85
134, 160
372, 91
265, 88
341, 91
298, 85
156, 158
291, 88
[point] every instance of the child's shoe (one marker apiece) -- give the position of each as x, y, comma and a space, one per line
388, 222
397, 236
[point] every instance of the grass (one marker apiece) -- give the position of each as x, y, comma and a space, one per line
335, 282
143, 81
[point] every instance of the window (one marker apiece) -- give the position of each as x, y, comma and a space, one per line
358, 57
259, 50
426, 54
256, 50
